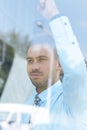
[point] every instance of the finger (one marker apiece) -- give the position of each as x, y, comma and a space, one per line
42, 4
42, 1
41, 8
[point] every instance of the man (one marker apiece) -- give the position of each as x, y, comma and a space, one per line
42, 63
44, 71
68, 102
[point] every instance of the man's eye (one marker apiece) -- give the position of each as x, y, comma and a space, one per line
30, 61
42, 59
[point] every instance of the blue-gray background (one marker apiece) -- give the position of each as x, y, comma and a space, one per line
22, 14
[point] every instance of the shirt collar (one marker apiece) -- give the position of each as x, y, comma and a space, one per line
52, 90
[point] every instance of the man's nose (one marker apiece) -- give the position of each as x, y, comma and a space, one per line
35, 65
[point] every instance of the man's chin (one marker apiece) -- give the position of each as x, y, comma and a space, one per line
36, 83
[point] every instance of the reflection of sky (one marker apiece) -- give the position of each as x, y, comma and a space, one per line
21, 15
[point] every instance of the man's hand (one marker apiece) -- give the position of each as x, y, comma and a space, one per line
48, 8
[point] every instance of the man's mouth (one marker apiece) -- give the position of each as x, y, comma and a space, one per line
35, 74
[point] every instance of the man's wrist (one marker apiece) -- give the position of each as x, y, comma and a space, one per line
55, 16
54, 12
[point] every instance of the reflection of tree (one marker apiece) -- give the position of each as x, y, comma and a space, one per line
6, 58
10, 44
86, 62
2, 51
18, 42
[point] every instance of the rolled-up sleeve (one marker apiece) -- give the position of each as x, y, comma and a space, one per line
73, 65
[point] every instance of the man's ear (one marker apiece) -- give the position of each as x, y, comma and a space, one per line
58, 66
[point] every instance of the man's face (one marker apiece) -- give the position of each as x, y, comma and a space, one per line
41, 65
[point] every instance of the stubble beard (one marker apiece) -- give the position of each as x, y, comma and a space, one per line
40, 85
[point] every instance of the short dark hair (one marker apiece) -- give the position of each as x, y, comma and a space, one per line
44, 39
48, 40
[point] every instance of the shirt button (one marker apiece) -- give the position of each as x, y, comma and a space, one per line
65, 23
73, 42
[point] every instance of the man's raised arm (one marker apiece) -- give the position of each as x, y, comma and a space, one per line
71, 58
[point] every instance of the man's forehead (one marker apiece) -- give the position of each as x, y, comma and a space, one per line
37, 50
39, 47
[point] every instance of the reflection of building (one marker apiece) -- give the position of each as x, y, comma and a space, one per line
17, 86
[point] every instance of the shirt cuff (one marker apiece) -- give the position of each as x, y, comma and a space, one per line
56, 16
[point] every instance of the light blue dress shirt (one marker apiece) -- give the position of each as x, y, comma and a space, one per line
52, 99
68, 100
